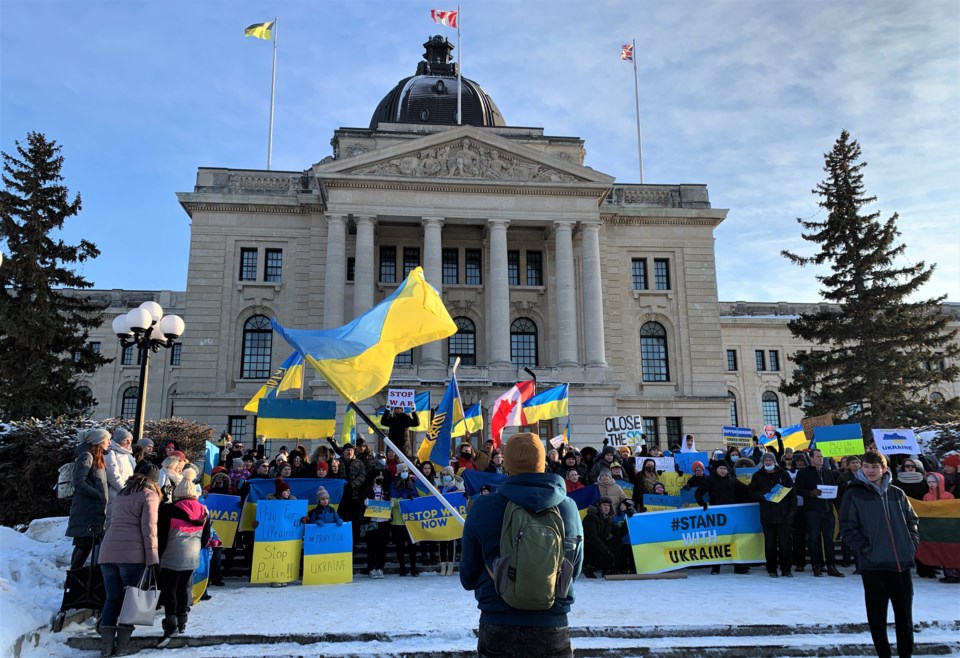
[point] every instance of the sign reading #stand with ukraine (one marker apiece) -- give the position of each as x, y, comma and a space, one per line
670, 540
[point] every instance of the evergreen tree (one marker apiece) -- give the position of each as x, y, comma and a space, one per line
43, 328
878, 356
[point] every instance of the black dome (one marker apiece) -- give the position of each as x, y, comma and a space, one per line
430, 96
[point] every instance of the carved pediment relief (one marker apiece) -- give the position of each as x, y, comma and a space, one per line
466, 158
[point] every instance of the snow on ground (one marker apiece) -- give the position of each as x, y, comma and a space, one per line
32, 571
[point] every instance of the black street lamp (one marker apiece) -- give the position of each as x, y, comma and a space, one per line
149, 329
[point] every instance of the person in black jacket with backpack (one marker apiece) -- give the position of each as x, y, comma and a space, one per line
775, 517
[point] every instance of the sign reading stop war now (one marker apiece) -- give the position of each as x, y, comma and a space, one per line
278, 539
327, 554
427, 519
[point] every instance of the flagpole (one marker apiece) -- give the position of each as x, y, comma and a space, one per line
273, 88
459, 79
636, 95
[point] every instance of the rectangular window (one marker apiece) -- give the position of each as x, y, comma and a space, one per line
175, 354
534, 268
513, 268
404, 358
76, 356
661, 273
761, 361
639, 273
351, 268
248, 264
95, 346
388, 264
451, 267
474, 263
732, 360
774, 360
126, 359
273, 265
237, 427
650, 432
411, 260
674, 431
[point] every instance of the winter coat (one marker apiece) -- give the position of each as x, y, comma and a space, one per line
940, 492
808, 479
573, 486
614, 492
481, 546
913, 483
322, 515
132, 536
771, 513
493, 468
355, 472
183, 528
397, 426
879, 525
88, 507
120, 464
598, 529
722, 490
599, 466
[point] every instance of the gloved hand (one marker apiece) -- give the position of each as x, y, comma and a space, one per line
319, 523
339, 522
705, 506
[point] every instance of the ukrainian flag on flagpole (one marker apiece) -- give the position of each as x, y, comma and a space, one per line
348, 433
436, 447
472, 421
288, 375
357, 358
793, 437
260, 30
552, 403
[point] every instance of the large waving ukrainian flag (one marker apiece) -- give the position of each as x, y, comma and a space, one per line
357, 358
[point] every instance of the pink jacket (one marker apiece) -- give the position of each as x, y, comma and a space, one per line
132, 535
940, 493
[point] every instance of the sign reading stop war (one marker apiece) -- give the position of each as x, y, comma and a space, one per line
623, 430
404, 398
278, 539
327, 554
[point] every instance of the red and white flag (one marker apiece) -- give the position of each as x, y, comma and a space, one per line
448, 18
626, 54
508, 408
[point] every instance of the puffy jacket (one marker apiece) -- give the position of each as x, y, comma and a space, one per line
879, 524
88, 507
184, 529
481, 546
322, 515
132, 537
120, 464
761, 483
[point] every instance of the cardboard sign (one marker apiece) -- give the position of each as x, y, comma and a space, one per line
378, 509
813, 422
655, 503
225, 514
405, 398
327, 554
896, 442
278, 540
741, 437
623, 430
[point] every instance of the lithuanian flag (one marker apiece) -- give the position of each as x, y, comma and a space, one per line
939, 532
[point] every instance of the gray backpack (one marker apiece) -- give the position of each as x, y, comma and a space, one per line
64, 486
532, 571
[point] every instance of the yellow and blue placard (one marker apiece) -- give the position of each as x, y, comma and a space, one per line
378, 509
655, 503
746, 474
277, 541
839, 440
327, 554
777, 493
670, 540
301, 488
225, 516
427, 519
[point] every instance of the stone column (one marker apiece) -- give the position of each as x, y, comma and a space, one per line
566, 301
335, 275
592, 284
498, 292
364, 267
432, 353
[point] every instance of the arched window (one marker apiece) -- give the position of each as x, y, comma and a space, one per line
128, 403
770, 405
463, 344
733, 409
653, 352
937, 398
523, 343
257, 344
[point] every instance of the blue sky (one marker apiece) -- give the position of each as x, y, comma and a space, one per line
743, 96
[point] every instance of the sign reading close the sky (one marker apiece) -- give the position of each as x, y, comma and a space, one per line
623, 430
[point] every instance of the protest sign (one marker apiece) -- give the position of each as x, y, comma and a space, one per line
655, 503
557, 441
828, 491
670, 540
896, 442
301, 488
405, 398
327, 554
623, 430
745, 474
839, 440
808, 425
225, 516
673, 481
427, 519
777, 493
741, 437
278, 540
662, 464
378, 509
685, 460
626, 486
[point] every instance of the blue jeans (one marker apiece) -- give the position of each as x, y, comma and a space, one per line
116, 577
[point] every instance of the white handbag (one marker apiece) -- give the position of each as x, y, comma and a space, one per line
140, 601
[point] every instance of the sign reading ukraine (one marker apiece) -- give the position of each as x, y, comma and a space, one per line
277, 541
670, 540
427, 519
327, 554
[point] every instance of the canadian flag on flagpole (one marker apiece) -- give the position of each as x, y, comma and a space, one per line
448, 18
508, 407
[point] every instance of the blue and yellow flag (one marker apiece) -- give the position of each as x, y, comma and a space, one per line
288, 375
260, 30
357, 358
348, 433
585, 497
437, 446
793, 437
552, 403
472, 421
210, 457
296, 419
473, 481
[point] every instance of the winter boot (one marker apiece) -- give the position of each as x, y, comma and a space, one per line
181, 623
108, 635
169, 625
123, 641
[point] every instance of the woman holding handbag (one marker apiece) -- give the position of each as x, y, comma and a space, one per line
129, 547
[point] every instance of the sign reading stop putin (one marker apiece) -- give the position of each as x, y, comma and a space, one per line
623, 430
404, 398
